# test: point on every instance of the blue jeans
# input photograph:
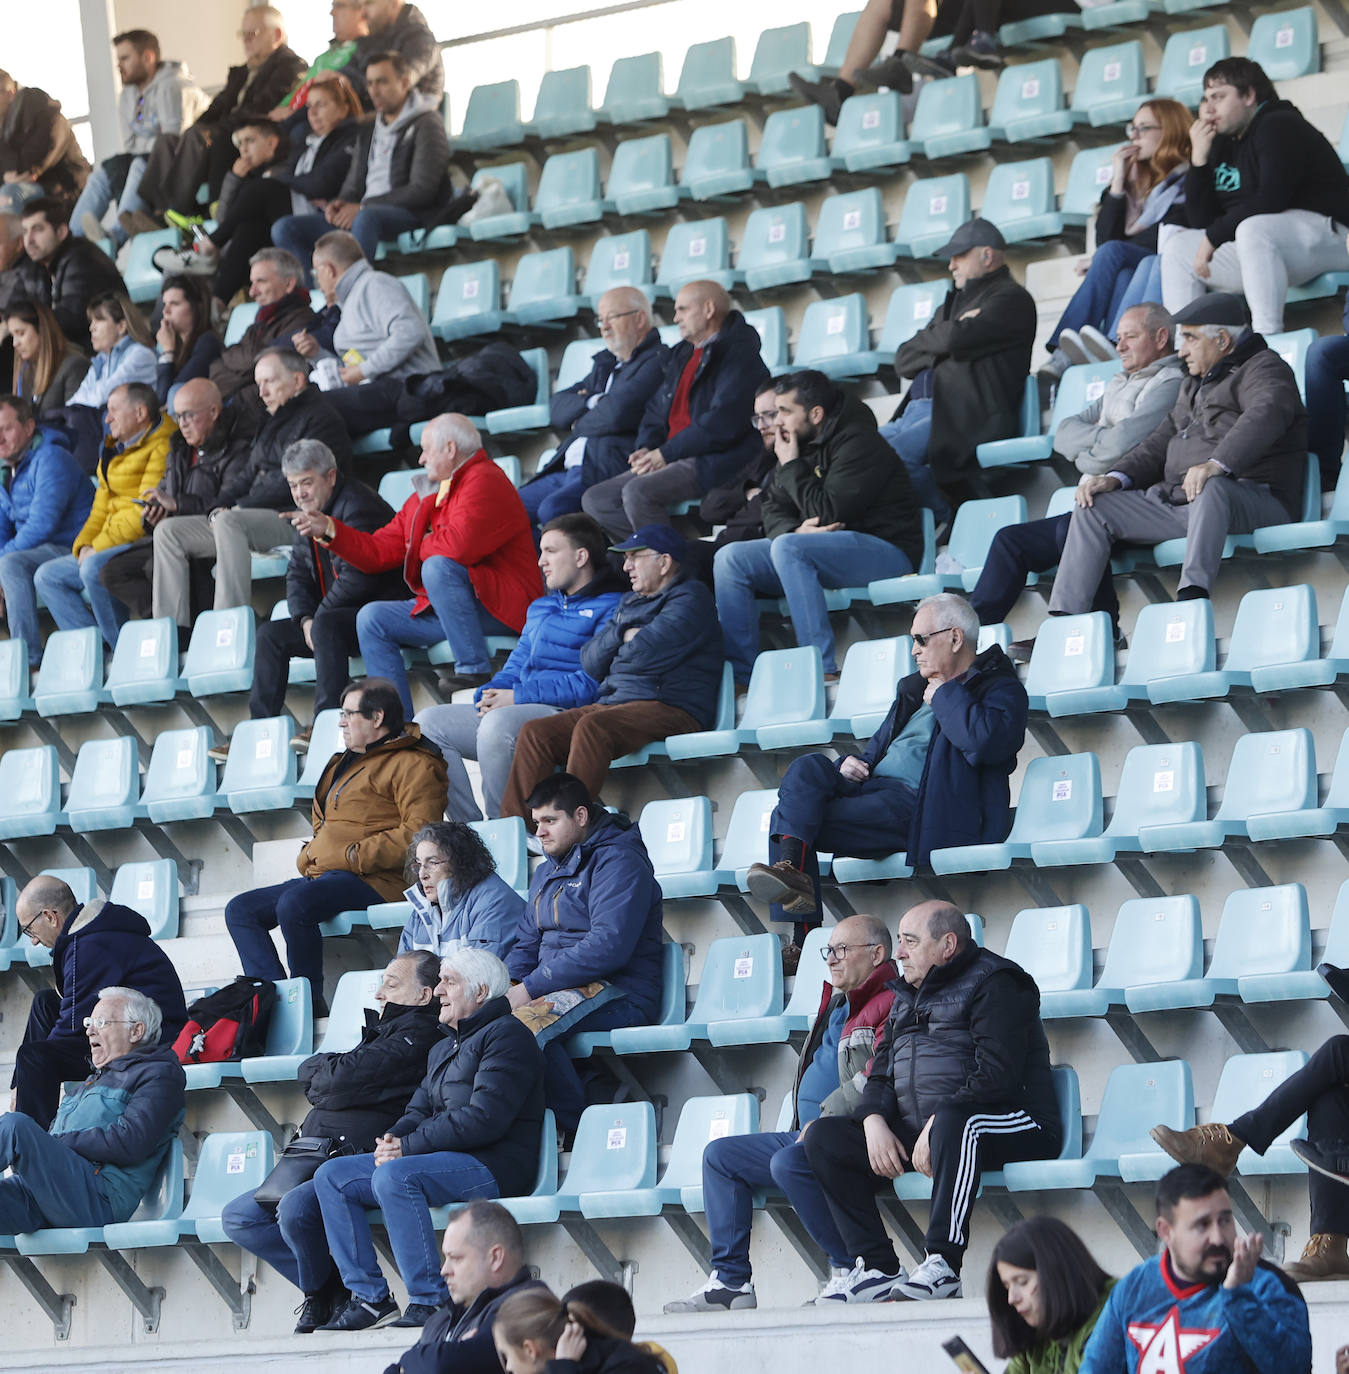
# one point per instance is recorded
(384, 628)
(558, 493)
(799, 567)
(1144, 285)
(292, 1242)
(17, 571)
(51, 1185)
(908, 437)
(1097, 300)
(405, 1190)
(1327, 371)
(373, 225)
(733, 1168)
(97, 196)
(61, 580)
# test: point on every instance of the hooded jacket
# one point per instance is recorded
(76, 273)
(595, 913)
(114, 517)
(167, 104)
(44, 498)
(260, 483)
(487, 916)
(367, 807)
(382, 323)
(1132, 405)
(239, 98)
(196, 485)
(37, 138)
(411, 37)
(232, 371)
(419, 170)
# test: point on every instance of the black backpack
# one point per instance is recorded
(228, 1024)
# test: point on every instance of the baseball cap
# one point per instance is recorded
(657, 538)
(974, 233)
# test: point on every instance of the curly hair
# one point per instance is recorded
(470, 859)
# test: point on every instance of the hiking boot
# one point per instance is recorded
(299, 741)
(936, 68)
(1323, 1258)
(219, 752)
(835, 1288)
(980, 50)
(359, 1315)
(782, 883)
(1212, 1144)
(829, 94)
(791, 959)
(715, 1296)
(934, 1278)
(415, 1314)
(1325, 1162)
(456, 682)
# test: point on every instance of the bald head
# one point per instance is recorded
(196, 406)
(42, 909)
(857, 946)
(700, 309)
(930, 934)
(625, 320)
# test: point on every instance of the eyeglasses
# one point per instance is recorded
(246, 34)
(634, 554)
(921, 640)
(99, 1023)
(833, 954)
(181, 415)
(763, 419)
(344, 714)
(603, 320)
(1133, 130)
(432, 863)
(28, 925)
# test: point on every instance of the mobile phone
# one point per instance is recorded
(963, 1357)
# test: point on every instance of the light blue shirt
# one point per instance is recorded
(907, 754)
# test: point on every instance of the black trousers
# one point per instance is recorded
(334, 635)
(42, 1065)
(1321, 1090)
(964, 1142)
(255, 206)
(371, 405)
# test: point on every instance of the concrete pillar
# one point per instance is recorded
(97, 26)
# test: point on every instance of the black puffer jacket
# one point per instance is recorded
(458, 1340)
(239, 97)
(77, 272)
(604, 1355)
(196, 486)
(260, 483)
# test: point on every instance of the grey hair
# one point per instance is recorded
(138, 1007)
(479, 968)
(307, 455)
(459, 429)
(1155, 318)
(1211, 331)
(340, 248)
(270, 14)
(287, 264)
(630, 298)
(954, 611)
(288, 358)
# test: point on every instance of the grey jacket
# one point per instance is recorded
(1131, 407)
(170, 103)
(383, 324)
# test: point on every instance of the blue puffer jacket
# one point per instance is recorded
(123, 1117)
(676, 659)
(595, 913)
(45, 500)
(487, 916)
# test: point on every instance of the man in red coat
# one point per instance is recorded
(462, 540)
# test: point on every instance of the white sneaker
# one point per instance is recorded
(835, 1288)
(186, 260)
(1077, 353)
(934, 1278)
(868, 1285)
(715, 1296)
(1096, 342)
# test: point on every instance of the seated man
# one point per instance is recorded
(462, 541)
(396, 26)
(960, 1083)
(472, 1130)
(840, 511)
(597, 418)
(1327, 371)
(369, 802)
(695, 433)
(110, 1135)
(966, 368)
(592, 934)
(542, 676)
(1230, 457)
(1266, 194)
(1135, 401)
(658, 661)
(92, 945)
(1208, 1303)
(276, 285)
(830, 1076)
(44, 502)
(39, 154)
(61, 272)
(354, 1097)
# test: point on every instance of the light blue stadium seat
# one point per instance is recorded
(569, 190)
(492, 117)
(775, 250)
(934, 209)
(84, 887)
(180, 781)
(289, 1032)
(260, 772)
(521, 419)
(641, 179)
(11, 942)
(15, 697)
(777, 53)
(143, 279)
(1019, 199)
(618, 260)
(355, 992)
(802, 1006)
(325, 741)
(1286, 44)
(1053, 945)
(708, 76)
(301, 670)
(1111, 84)
(1172, 644)
(700, 251)
(697, 743)
(716, 163)
(866, 686)
(870, 133)
(105, 786)
(544, 288)
(1078, 388)
(850, 233)
(1245, 1082)
(678, 838)
(563, 104)
(949, 119)
(1185, 59)
(793, 149)
(468, 302)
(1073, 658)
(1292, 347)
(837, 51)
(672, 1004)
(514, 177)
(911, 308)
(1060, 799)
(1029, 103)
(418, 286)
(70, 677)
(1313, 532)
(636, 90)
(835, 338)
(1315, 820)
(220, 654)
(540, 1203)
(972, 531)
(30, 792)
(150, 887)
(746, 839)
(1039, 29)
(505, 837)
(241, 317)
(576, 362)
(1088, 177)
(771, 325)
(614, 1151)
(396, 487)
(784, 707)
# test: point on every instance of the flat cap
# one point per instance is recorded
(1215, 307)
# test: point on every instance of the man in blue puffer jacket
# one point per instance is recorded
(111, 1134)
(44, 502)
(543, 674)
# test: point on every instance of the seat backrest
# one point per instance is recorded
(747, 831)
(576, 360)
(230, 1163)
(832, 328)
(1263, 930)
(1072, 652)
(1018, 191)
(1185, 59)
(325, 741)
(241, 317)
(492, 109)
(641, 164)
(180, 766)
(568, 179)
(977, 522)
(1155, 940)
(505, 838)
(221, 640)
(771, 325)
(395, 487)
(542, 277)
(291, 1029)
(910, 309)
(1030, 88)
(869, 121)
(164, 1197)
(150, 887)
(562, 96)
(947, 107)
(1275, 625)
(786, 686)
(871, 670)
(72, 661)
(346, 1012)
(854, 220)
(1137, 1097)
(1248, 1079)
(514, 178)
(1068, 1096)
(791, 136)
(678, 834)
(418, 286)
(106, 774)
(1271, 770)
(1292, 346)
(147, 651)
(537, 358)
(1171, 640)
(614, 1149)
(1107, 74)
(673, 985)
(811, 976)
(1053, 945)
(619, 260)
(1337, 936)
(1060, 799)
(936, 205)
(260, 755)
(1078, 388)
(706, 65)
(701, 1121)
(81, 881)
(30, 782)
(693, 250)
(632, 79)
(1061, 502)
(716, 148)
(742, 976)
(774, 234)
(1286, 44)
(1088, 176)
(779, 51)
(1160, 784)
(472, 288)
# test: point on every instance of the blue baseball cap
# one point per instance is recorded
(657, 538)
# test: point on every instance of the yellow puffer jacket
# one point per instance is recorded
(114, 518)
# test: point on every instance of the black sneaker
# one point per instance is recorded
(1323, 1161)
(359, 1315)
(829, 94)
(316, 1309)
(415, 1314)
(456, 682)
(1337, 979)
(893, 72)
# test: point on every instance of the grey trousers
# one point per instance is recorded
(627, 502)
(460, 733)
(1224, 507)
(230, 540)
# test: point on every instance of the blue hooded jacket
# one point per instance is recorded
(46, 499)
(487, 916)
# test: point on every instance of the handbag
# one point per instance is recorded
(299, 1163)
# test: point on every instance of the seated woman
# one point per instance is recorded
(535, 1331)
(1045, 1294)
(458, 897)
(1147, 190)
(48, 368)
(122, 353)
(186, 344)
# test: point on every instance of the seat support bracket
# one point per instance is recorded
(146, 1301)
(238, 1297)
(56, 1305)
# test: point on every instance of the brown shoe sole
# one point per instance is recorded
(768, 887)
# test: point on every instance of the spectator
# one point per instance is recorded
(458, 897)
(966, 368)
(44, 503)
(695, 433)
(110, 1135)
(354, 1097)
(960, 1083)
(599, 415)
(593, 933)
(185, 345)
(738, 505)
(1266, 196)
(830, 1075)
(1230, 457)
(13, 288)
(399, 175)
(277, 285)
(462, 541)
(658, 662)
(1135, 401)
(133, 459)
(1146, 190)
(323, 593)
(1327, 370)
(484, 1263)
(91, 945)
(1320, 1089)
(1208, 1293)
(337, 59)
(534, 1331)
(839, 512)
(542, 676)
(122, 354)
(471, 1131)
(368, 803)
(397, 27)
(63, 273)
(48, 369)
(157, 97)
(934, 775)
(39, 155)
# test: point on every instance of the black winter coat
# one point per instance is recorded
(331, 163)
(606, 1356)
(260, 484)
(78, 271)
(411, 37)
(458, 1340)
(196, 486)
(36, 136)
(493, 377)
(273, 81)
(420, 174)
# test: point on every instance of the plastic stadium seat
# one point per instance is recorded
(260, 771)
(708, 76)
(1172, 645)
(910, 310)
(324, 742)
(934, 209)
(700, 251)
(30, 792)
(150, 887)
(143, 279)
(468, 301)
(220, 654)
(850, 233)
(636, 90)
(576, 362)
(802, 1006)
(105, 786)
(641, 179)
(84, 887)
(870, 133)
(1053, 945)
(771, 325)
(716, 163)
(834, 337)
(1311, 533)
(1078, 388)
(569, 190)
(866, 686)
(1060, 799)
(396, 487)
(1019, 199)
(505, 837)
(145, 662)
(1029, 103)
(1088, 176)
(793, 148)
(1111, 84)
(355, 992)
(775, 250)
(784, 707)
(492, 117)
(241, 317)
(1292, 347)
(1185, 59)
(678, 837)
(672, 1000)
(1313, 820)
(1245, 1082)
(1073, 659)
(520, 419)
(746, 839)
(180, 781)
(71, 675)
(514, 178)
(1285, 44)
(614, 1152)
(1038, 29)
(417, 285)
(15, 697)
(544, 288)
(972, 531)
(563, 104)
(777, 53)
(949, 118)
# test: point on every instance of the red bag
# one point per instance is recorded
(230, 1023)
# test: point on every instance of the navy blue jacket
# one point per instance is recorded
(963, 797)
(720, 435)
(45, 499)
(676, 659)
(594, 913)
(458, 1340)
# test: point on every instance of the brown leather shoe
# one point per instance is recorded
(219, 752)
(1212, 1144)
(782, 883)
(299, 741)
(791, 959)
(1324, 1258)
